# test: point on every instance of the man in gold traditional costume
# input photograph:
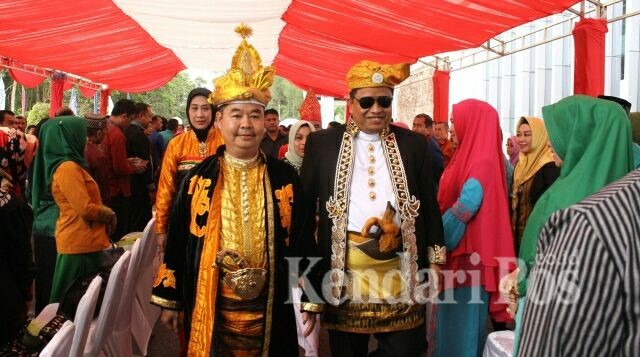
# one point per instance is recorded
(230, 230)
(379, 224)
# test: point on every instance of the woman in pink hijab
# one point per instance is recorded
(477, 230)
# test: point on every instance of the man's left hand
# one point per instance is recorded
(309, 319)
(437, 285)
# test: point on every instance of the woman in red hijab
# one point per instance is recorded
(473, 202)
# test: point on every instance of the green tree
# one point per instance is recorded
(285, 98)
(39, 93)
(338, 114)
(38, 112)
(168, 100)
(85, 105)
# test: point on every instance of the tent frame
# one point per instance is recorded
(495, 48)
(7, 62)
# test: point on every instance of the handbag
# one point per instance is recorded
(111, 255)
(71, 297)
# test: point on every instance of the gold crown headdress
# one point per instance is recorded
(247, 80)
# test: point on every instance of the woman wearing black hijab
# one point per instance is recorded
(183, 152)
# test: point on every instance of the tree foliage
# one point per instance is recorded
(286, 98)
(169, 100)
(38, 112)
(338, 114)
(85, 105)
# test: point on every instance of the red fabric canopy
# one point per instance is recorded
(57, 89)
(87, 92)
(25, 78)
(90, 38)
(323, 38)
(104, 100)
(589, 42)
(440, 96)
(96, 40)
(322, 61)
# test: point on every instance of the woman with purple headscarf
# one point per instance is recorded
(513, 151)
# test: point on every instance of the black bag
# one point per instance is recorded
(74, 292)
(110, 256)
(71, 297)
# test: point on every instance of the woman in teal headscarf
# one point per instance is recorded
(81, 225)
(592, 139)
(635, 137)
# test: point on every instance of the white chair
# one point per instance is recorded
(103, 326)
(44, 317)
(120, 343)
(84, 316)
(145, 314)
(499, 344)
(60, 344)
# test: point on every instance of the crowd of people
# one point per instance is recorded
(268, 234)
(72, 186)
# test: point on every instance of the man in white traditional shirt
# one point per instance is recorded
(379, 222)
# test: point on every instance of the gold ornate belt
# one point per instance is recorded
(246, 282)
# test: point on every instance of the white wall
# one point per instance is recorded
(522, 83)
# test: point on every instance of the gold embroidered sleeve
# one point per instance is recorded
(166, 185)
(165, 303)
(165, 276)
(437, 254)
(311, 307)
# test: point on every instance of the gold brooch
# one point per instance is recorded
(377, 78)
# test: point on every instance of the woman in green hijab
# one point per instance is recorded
(635, 137)
(81, 226)
(592, 139)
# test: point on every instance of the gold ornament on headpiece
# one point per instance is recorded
(247, 80)
(368, 74)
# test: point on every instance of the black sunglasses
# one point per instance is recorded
(367, 102)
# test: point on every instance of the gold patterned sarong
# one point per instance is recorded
(375, 293)
(240, 324)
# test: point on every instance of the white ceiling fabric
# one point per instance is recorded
(200, 32)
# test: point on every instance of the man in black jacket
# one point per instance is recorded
(235, 216)
(142, 186)
(379, 224)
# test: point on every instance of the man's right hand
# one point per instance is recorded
(137, 164)
(161, 240)
(508, 287)
(141, 167)
(170, 319)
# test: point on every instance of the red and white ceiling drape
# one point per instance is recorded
(139, 45)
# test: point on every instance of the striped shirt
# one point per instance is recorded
(584, 293)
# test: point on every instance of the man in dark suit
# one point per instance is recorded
(142, 186)
(423, 124)
(379, 224)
